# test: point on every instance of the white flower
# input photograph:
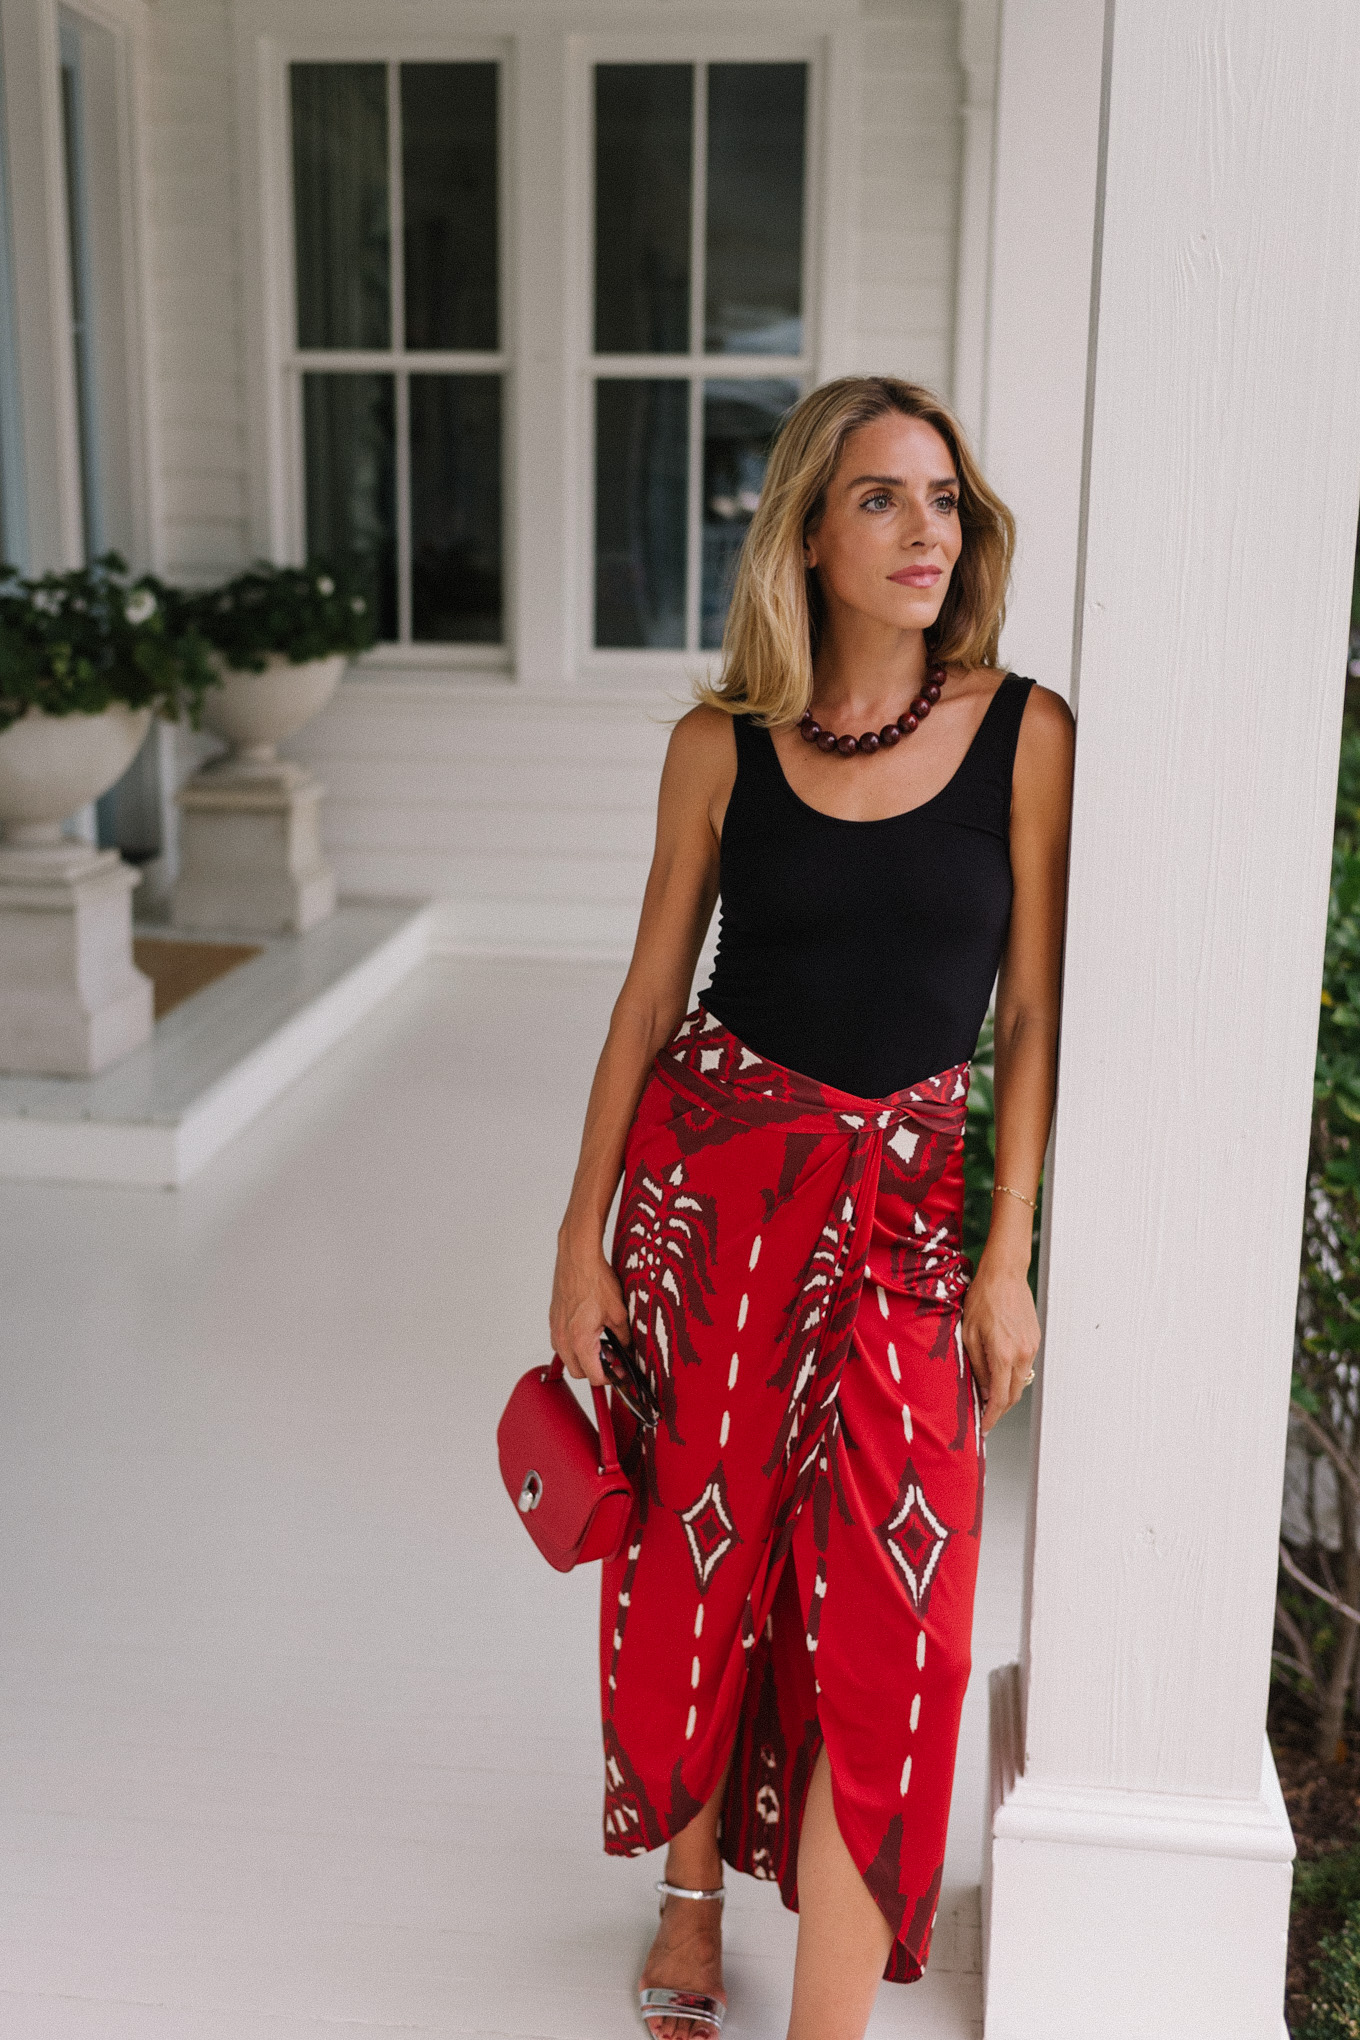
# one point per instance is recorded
(358, 604)
(139, 606)
(325, 585)
(47, 600)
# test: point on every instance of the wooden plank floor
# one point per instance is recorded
(297, 1734)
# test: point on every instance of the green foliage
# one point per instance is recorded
(979, 1154)
(1327, 1358)
(1334, 1998)
(1331, 1881)
(71, 644)
(301, 612)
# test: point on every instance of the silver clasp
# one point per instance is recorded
(531, 1494)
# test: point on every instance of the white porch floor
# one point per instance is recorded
(298, 1733)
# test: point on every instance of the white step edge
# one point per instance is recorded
(164, 1156)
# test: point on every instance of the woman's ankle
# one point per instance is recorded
(694, 1868)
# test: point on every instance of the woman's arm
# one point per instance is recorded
(676, 909)
(1000, 1324)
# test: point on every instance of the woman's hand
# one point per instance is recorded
(585, 1297)
(1000, 1334)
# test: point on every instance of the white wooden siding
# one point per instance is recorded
(195, 260)
(910, 154)
(532, 814)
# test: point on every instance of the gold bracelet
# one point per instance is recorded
(1000, 1189)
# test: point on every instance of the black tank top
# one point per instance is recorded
(864, 953)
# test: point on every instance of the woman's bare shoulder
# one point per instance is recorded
(1047, 723)
(702, 745)
(1044, 752)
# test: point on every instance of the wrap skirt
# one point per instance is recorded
(800, 1565)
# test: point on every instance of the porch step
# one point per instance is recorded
(216, 1061)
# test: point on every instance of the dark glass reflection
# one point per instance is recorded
(340, 210)
(641, 464)
(740, 420)
(449, 178)
(456, 509)
(351, 498)
(644, 115)
(757, 115)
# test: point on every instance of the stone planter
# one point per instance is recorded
(71, 999)
(250, 834)
(256, 712)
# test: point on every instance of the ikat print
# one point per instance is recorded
(801, 1562)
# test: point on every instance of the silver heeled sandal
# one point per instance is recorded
(683, 2004)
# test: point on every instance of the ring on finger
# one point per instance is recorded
(1026, 1380)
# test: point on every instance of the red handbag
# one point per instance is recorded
(563, 1476)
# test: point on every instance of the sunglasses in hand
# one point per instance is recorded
(628, 1381)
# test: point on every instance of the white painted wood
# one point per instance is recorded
(42, 286)
(910, 147)
(1043, 224)
(297, 1732)
(539, 530)
(834, 173)
(529, 812)
(1082, 1883)
(1214, 627)
(113, 65)
(215, 1063)
(979, 28)
(195, 210)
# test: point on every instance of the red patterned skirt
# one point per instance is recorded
(801, 1565)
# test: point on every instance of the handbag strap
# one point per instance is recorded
(609, 1456)
(609, 1453)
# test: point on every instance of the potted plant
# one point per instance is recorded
(278, 639)
(251, 857)
(86, 659)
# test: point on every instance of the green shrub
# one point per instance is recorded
(1334, 2001)
(979, 1155)
(1331, 1881)
(1317, 1653)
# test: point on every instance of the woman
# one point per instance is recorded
(785, 1635)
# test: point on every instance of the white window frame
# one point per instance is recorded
(287, 362)
(610, 666)
(546, 53)
(40, 274)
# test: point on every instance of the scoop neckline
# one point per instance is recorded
(903, 814)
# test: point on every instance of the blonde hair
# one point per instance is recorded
(775, 612)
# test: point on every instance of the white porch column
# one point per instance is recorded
(1033, 419)
(1139, 1853)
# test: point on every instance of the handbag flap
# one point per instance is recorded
(550, 1460)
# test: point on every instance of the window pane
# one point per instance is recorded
(340, 212)
(641, 460)
(754, 275)
(644, 115)
(740, 420)
(456, 508)
(448, 152)
(351, 503)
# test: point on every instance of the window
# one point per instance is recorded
(700, 340)
(399, 359)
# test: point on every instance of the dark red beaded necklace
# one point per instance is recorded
(891, 733)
